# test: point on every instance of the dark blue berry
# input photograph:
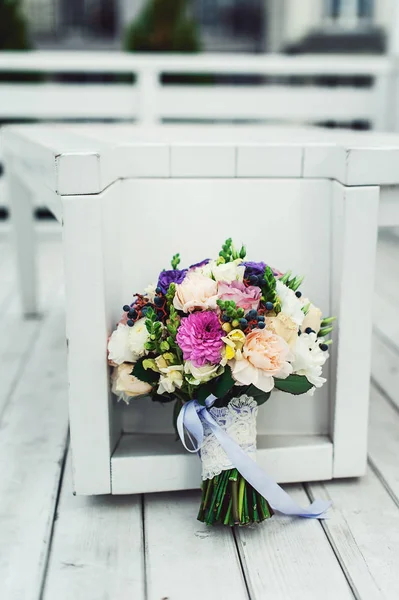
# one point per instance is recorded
(269, 305)
(252, 314)
(298, 294)
(226, 318)
(132, 314)
(158, 290)
(261, 317)
(262, 282)
(160, 314)
(130, 323)
(261, 325)
(126, 308)
(309, 330)
(253, 279)
(244, 323)
(144, 311)
(158, 301)
(323, 347)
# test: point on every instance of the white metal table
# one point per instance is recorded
(128, 197)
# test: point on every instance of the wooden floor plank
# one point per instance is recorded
(185, 559)
(364, 531)
(33, 428)
(384, 441)
(291, 558)
(385, 368)
(97, 548)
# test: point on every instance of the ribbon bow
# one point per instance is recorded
(191, 420)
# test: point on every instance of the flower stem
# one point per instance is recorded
(241, 491)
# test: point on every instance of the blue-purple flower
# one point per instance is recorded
(171, 276)
(254, 268)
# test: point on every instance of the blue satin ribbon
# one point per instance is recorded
(191, 421)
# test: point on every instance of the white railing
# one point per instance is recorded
(267, 88)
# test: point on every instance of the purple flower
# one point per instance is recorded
(254, 268)
(168, 277)
(200, 264)
(200, 338)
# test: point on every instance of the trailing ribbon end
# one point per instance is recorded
(191, 420)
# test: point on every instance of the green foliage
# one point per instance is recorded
(175, 261)
(223, 384)
(146, 375)
(269, 289)
(162, 26)
(13, 29)
(258, 395)
(229, 253)
(154, 328)
(294, 384)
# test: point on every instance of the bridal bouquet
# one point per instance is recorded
(216, 339)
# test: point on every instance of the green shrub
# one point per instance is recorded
(162, 26)
(13, 30)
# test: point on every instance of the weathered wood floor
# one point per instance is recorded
(55, 546)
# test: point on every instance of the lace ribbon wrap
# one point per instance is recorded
(238, 420)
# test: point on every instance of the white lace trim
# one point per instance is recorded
(238, 419)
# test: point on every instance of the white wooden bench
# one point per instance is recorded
(128, 197)
(273, 88)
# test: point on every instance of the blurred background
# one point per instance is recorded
(288, 26)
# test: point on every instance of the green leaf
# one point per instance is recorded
(203, 392)
(294, 384)
(163, 398)
(176, 410)
(149, 376)
(223, 384)
(258, 395)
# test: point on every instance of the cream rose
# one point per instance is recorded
(283, 326)
(228, 272)
(138, 336)
(197, 375)
(196, 291)
(312, 319)
(264, 356)
(118, 346)
(126, 385)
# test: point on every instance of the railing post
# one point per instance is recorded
(148, 96)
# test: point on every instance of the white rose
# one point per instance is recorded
(309, 359)
(171, 378)
(197, 375)
(125, 385)
(228, 272)
(291, 306)
(118, 346)
(138, 336)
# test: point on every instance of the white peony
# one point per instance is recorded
(138, 336)
(313, 317)
(228, 272)
(291, 306)
(150, 292)
(118, 346)
(309, 359)
(197, 375)
(171, 378)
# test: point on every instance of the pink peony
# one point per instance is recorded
(244, 297)
(200, 338)
(196, 292)
(264, 356)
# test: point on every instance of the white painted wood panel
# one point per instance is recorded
(290, 558)
(153, 463)
(97, 548)
(185, 558)
(385, 368)
(354, 235)
(363, 529)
